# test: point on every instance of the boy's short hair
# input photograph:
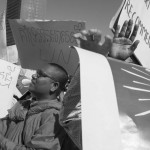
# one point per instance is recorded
(63, 75)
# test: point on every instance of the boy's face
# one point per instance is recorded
(43, 81)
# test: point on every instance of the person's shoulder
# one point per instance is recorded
(49, 115)
(18, 111)
(49, 112)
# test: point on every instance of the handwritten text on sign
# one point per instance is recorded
(6, 76)
(140, 13)
(42, 42)
(8, 79)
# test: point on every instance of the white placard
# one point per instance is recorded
(139, 11)
(8, 79)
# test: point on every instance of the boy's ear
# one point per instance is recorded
(55, 86)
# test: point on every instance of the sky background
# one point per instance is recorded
(96, 13)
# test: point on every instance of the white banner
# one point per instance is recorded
(100, 117)
(114, 93)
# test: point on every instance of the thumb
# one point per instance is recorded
(134, 45)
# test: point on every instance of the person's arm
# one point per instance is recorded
(91, 40)
(49, 135)
(14, 111)
(121, 47)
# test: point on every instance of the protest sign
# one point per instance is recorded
(100, 118)
(113, 90)
(8, 79)
(12, 54)
(132, 85)
(40, 42)
(114, 20)
(139, 11)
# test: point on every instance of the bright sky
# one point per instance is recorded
(97, 13)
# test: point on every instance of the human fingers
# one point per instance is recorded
(123, 29)
(134, 45)
(86, 35)
(107, 43)
(79, 36)
(80, 39)
(117, 31)
(129, 28)
(134, 33)
(96, 35)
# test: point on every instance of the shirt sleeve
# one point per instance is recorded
(49, 135)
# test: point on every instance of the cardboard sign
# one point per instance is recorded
(139, 11)
(8, 79)
(41, 42)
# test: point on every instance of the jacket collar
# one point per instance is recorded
(20, 109)
(40, 106)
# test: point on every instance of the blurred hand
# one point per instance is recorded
(123, 45)
(91, 40)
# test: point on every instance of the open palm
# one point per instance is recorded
(123, 45)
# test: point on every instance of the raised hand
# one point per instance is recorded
(123, 45)
(91, 40)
